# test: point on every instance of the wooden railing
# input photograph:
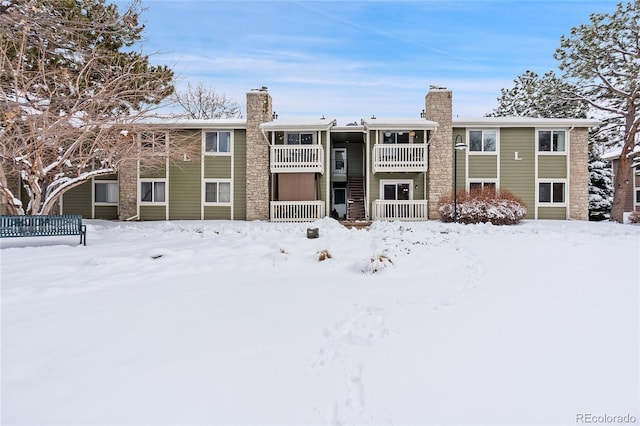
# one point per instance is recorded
(296, 211)
(400, 158)
(410, 210)
(297, 159)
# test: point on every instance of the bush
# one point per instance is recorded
(482, 206)
(634, 217)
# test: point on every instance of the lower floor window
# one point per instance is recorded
(637, 196)
(481, 185)
(152, 191)
(551, 192)
(106, 192)
(217, 192)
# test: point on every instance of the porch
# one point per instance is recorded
(296, 211)
(297, 159)
(409, 210)
(400, 158)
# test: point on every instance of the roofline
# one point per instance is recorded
(284, 126)
(524, 122)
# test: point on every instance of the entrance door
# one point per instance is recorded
(339, 161)
(340, 202)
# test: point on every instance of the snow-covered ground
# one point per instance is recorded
(189, 323)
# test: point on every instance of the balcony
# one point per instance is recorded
(296, 211)
(297, 159)
(400, 158)
(409, 210)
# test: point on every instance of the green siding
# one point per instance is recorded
(78, 200)
(217, 213)
(518, 176)
(158, 171)
(152, 213)
(559, 213)
(217, 166)
(106, 212)
(185, 191)
(483, 166)
(240, 175)
(323, 187)
(552, 166)
(107, 177)
(461, 159)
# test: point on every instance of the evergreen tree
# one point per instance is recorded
(600, 185)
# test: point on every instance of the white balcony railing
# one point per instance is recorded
(296, 211)
(297, 159)
(400, 158)
(411, 210)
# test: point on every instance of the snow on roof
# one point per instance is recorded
(524, 122)
(190, 123)
(615, 153)
(399, 124)
(322, 123)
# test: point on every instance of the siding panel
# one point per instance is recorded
(106, 212)
(557, 213)
(240, 175)
(552, 166)
(217, 212)
(483, 166)
(185, 191)
(78, 200)
(152, 213)
(518, 176)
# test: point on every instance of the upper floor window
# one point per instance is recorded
(552, 141)
(395, 137)
(154, 141)
(217, 142)
(300, 138)
(483, 140)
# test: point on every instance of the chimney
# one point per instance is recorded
(259, 110)
(438, 108)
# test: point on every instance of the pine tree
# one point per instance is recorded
(600, 185)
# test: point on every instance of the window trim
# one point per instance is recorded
(566, 141)
(108, 182)
(552, 203)
(384, 182)
(395, 139)
(153, 180)
(217, 203)
(314, 139)
(217, 153)
(483, 152)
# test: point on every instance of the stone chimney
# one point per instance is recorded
(438, 108)
(259, 110)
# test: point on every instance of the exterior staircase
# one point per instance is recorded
(355, 198)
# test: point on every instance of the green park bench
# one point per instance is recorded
(43, 226)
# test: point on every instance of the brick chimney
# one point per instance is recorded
(438, 108)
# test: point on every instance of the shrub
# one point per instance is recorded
(377, 263)
(324, 255)
(634, 217)
(482, 206)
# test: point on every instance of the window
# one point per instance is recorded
(483, 140)
(551, 141)
(154, 141)
(217, 142)
(551, 192)
(152, 191)
(482, 185)
(637, 196)
(217, 192)
(395, 137)
(396, 190)
(105, 192)
(300, 138)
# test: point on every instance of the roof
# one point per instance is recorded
(399, 124)
(190, 123)
(299, 124)
(524, 122)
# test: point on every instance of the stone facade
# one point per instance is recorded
(438, 108)
(128, 178)
(579, 174)
(259, 110)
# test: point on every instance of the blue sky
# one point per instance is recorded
(349, 59)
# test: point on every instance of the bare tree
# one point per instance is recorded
(74, 96)
(202, 102)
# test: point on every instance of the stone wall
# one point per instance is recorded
(579, 174)
(128, 196)
(259, 110)
(438, 108)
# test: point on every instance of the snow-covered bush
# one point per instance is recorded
(481, 206)
(634, 216)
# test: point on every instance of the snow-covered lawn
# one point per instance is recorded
(187, 323)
